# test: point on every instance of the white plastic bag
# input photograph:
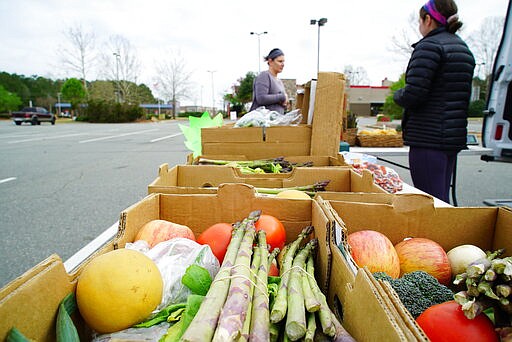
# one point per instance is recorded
(262, 117)
(172, 258)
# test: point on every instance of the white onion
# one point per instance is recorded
(461, 256)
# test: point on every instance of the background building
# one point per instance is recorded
(368, 100)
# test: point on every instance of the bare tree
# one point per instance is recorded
(484, 43)
(173, 79)
(78, 55)
(121, 65)
(356, 75)
(401, 43)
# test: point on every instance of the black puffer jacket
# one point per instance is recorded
(437, 92)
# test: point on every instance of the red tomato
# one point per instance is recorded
(446, 322)
(217, 237)
(273, 271)
(276, 235)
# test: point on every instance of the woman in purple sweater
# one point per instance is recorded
(268, 91)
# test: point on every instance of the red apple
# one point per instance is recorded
(374, 250)
(156, 231)
(421, 254)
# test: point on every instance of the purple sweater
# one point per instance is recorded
(269, 92)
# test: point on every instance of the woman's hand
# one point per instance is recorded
(285, 102)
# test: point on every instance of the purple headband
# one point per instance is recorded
(431, 9)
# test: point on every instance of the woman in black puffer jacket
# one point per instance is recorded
(436, 98)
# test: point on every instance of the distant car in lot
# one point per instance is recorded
(33, 115)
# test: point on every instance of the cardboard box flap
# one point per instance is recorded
(414, 203)
(328, 113)
(389, 296)
(503, 231)
(22, 296)
(364, 313)
(230, 134)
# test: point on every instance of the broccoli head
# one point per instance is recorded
(417, 290)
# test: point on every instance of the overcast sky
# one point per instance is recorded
(215, 35)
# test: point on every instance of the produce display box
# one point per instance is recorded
(256, 142)
(31, 302)
(408, 215)
(322, 137)
(316, 160)
(204, 179)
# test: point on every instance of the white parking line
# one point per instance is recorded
(45, 138)
(117, 136)
(5, 180)
(166, 137)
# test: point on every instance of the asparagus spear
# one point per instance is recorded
(260, 323)
(255, 265)
(205, 321)
(234, 311)
(310, 189)
(324, 314)
(480, 266)
(296, 317)
(311, 303)
(310, 332)
(280, 306)
(271, 256)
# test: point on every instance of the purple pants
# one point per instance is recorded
(431, 171)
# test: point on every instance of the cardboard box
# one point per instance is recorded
(408, 215)
(204, 178)
(31, 302)
(257, 142)
(320, 138)
(337, 160)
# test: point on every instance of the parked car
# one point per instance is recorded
(34, 115)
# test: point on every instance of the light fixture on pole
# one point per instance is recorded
(320, 22)
(118, 56)
(213, 92)
(259, 52)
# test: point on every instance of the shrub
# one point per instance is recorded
(187, 114)
(101, 111)
(476, 109)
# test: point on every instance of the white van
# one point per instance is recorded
(497, 124)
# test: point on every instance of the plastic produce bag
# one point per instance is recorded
(262, 117)
(172, 258)
(152, 334)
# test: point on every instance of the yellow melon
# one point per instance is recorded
(294, 194)
(118, 289)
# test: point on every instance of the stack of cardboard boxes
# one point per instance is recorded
(199, 196)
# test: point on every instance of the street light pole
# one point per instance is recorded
(259, 52)
(320, 22)
(59, 109)
(213, 92)
(118, 56)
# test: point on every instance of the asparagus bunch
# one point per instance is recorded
(274, 165)
(310, 189)
(488, 283)
(204, 324)
(300, 302)
(238, 306)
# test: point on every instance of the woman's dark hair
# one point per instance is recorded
(447, 8)
(273, 54)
